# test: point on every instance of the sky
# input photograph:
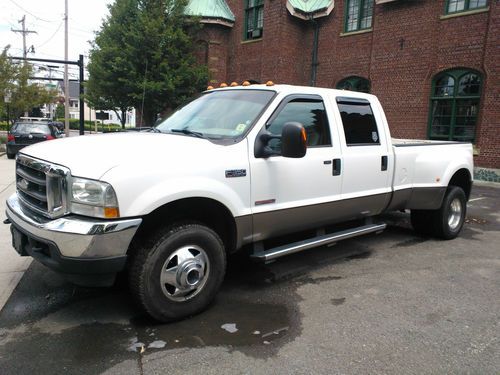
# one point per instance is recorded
(46, 17)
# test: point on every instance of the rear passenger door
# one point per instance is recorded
(366, 178)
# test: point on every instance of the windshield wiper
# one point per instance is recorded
(188, 132)
(154, 130)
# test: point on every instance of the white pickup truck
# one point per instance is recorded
(237, 168)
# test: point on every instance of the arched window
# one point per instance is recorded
(455, 105)
(354, 83)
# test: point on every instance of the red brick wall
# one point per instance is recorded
(408, 46)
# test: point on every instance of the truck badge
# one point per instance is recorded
(230, 173)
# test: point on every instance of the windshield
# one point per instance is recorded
(218, 114)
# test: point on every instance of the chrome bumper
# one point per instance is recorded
(75, 236)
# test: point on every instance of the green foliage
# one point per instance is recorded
(25, 95)
(60, 111)
(143, 57)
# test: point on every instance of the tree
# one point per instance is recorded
(143, 58)
(59, 111)
(25, 95)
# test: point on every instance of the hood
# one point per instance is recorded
(91, 156)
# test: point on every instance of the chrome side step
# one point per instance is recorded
(270, 254)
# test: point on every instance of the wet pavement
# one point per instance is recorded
(391, 303)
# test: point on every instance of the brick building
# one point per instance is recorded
(434, 64)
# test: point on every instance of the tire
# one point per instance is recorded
(10, 156)
(445, 222)
(179, 272)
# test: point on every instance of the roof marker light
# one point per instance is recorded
(269, 83)
(234, 84)
(223, 84)
(210, 88)
(246, 83)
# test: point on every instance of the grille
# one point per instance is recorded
(42, 186)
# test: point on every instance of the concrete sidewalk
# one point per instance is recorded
(12, 266)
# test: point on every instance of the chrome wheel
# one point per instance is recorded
(455, 214)
(184, 273)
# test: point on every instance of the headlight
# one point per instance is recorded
(93, 198)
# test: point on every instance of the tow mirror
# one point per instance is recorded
(293, 140)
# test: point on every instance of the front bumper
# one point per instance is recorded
(88, 251)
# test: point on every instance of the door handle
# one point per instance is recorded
(384, 163)
(337, 167)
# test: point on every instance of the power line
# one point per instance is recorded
(31, 14)
(52, 36)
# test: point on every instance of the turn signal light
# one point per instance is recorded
(304, 135)
(111, 212)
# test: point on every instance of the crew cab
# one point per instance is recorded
(271, 169)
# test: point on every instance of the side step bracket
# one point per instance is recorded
(295, 247)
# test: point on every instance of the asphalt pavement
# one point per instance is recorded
(394, 303)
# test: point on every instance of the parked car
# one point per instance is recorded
(23, 134)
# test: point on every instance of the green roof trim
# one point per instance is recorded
(210, 11)
(306, 9)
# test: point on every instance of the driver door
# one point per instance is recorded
(295, 194)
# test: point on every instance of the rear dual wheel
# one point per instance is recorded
(179, 272)
(447, 221)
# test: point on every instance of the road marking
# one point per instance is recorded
(476, 199)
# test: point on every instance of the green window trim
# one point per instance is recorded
(361, 13)
(354, 83)
(460, 6)
(254, 19)
(454, 105)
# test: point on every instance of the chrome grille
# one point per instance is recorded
(42, 186)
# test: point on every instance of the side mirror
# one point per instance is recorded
(293, 140)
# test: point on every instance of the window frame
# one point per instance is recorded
(357, 101)
(247, 10)
(355, 79)
(289, 98)
(360, 16)
(466, 7)
(457, 74)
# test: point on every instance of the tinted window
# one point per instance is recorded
(359, 123)
(33, 128)
(310, 113)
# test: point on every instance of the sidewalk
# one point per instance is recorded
(12, 266)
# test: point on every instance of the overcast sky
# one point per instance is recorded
(46, 18)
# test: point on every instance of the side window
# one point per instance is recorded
(359, 123)
(309, 112)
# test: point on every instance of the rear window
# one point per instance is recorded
(360, 127)
(31, 128)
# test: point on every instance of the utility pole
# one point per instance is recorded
(24, 32)
(66, 82)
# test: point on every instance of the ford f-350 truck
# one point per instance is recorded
(269, 168)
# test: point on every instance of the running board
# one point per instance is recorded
(295, 247)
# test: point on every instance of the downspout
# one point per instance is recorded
(314, 60)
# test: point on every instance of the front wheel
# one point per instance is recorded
(180, 273)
